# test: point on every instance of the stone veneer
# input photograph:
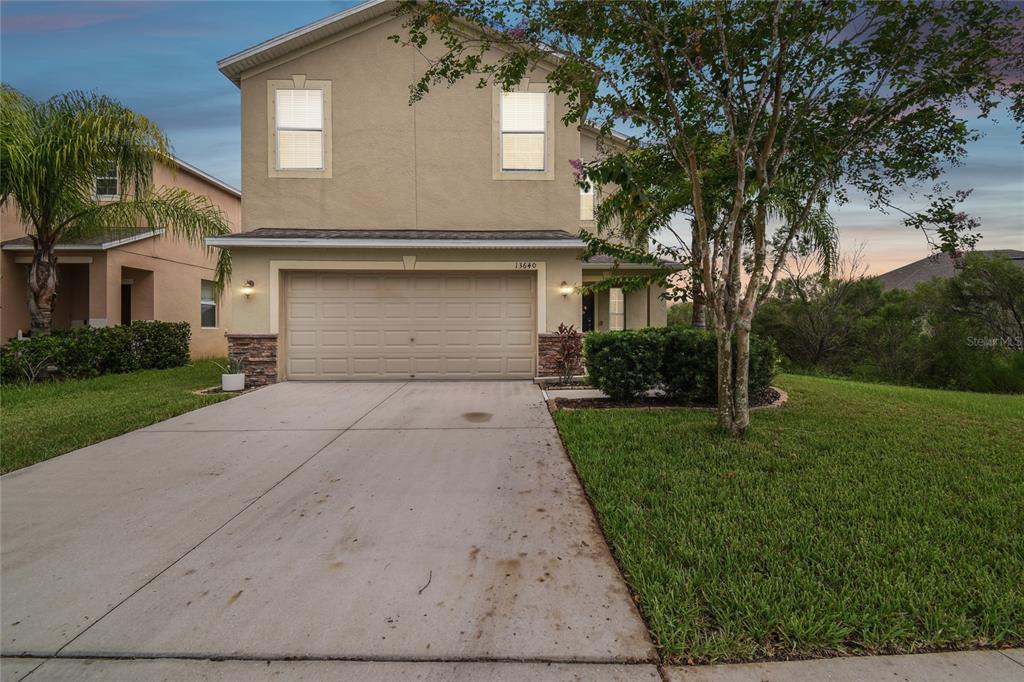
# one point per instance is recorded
(258, 353)
(547, 355)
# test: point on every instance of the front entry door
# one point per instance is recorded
(588, 311)
(126, 304)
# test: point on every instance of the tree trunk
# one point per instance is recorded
(698, 317)
(741, 372)
(42, 288)
(725, 401)
(734, 379)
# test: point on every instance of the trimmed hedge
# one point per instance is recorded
(681, 361)
(90, 351)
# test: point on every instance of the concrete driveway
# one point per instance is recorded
(418, 524)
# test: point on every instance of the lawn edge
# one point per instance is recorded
(660, 661)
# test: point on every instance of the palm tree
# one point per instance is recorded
(50, 156)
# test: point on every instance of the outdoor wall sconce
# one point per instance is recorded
(565, 289)
(248, 287)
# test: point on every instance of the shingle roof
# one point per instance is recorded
(99, 242)
(940, 265)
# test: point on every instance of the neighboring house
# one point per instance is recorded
(132, 274)
(382, 240)
(937, 266)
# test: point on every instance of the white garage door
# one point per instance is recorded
(355, 325)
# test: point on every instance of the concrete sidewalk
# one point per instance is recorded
(966, 666)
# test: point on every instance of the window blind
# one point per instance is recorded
(523, 129)
(300, 121)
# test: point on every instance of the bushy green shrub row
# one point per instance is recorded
(681, 361)
(91, 351)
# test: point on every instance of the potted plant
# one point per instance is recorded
(232, 377)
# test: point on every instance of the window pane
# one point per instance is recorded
(587, 203)
(300, 149)
(106, 187)
(616, 309)
(207, 291)
(300, 109)
(522, 151)
(208, 315)
(523, 111)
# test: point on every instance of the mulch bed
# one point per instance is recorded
(769, 397)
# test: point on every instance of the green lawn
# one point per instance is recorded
(860, 518)
(43, 420)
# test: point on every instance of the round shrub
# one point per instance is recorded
(689, 365)
(623, 364)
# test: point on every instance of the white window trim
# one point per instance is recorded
(497, 173)
(207, 301)
(117, 181)
(298, 82)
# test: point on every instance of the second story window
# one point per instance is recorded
(106, 184)
(299, 116)
(587, 203)
(523, 131)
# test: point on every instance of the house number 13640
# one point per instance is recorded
(526, 265)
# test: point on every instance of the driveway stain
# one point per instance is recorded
(477, 417)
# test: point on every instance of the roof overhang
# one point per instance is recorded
(203, 175)
(19, 245)
(234, 66)
(314, 243)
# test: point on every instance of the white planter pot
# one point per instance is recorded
(232, 382)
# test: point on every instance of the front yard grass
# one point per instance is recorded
(861, 518)
(44, 420)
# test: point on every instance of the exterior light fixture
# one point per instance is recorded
(565, 289)
(248, 287)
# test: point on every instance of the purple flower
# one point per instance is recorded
(698, 62)
(577, 168)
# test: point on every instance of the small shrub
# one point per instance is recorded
(682, 361)
(568, 362)
(161, 344)
(764, 362)
(90, 351)
(28, 359)
(624, 364)
(689, 365)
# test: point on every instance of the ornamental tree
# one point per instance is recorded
(757, 113)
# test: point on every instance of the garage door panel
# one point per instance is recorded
(410, 325)
(520, 365)
(519, 339)
(334, 311)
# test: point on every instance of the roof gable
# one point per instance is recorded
(234, 66)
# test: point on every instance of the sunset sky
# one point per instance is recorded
(160, 59)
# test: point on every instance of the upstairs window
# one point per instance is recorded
(207, 304)
(299, 129)
(587, 203)
(106, 184)
(523, 131)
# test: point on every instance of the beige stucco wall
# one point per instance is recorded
(428, 166)
(170, 294)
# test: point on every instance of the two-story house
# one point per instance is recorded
(383, 240)
(130, 274)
